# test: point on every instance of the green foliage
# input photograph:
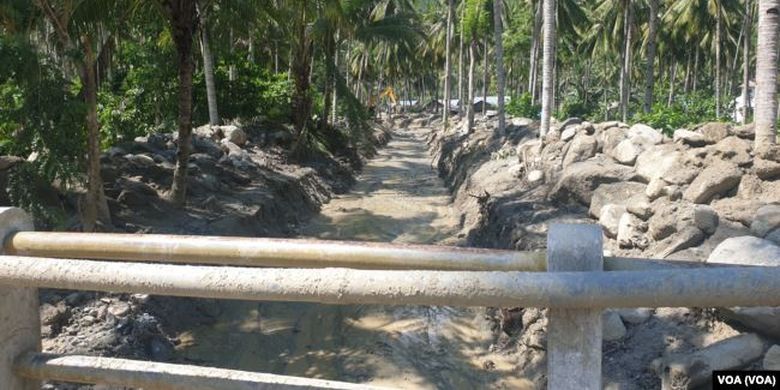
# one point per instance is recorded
(255, 92)
(574, 107)
(476, 17)
(41, 115)
(687, 110)
(523, 106)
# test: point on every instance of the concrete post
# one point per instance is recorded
(574, 335)
(20, 324)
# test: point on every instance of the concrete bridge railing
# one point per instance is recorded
(572, 279)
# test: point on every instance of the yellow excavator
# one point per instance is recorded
(387, 94)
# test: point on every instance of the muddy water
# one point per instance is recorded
(398, 198)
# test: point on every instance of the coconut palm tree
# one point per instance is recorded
(766, 73)
(448, 63)
(650, 59)
(548, 64)
(499, 49)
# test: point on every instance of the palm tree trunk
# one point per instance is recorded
(548, 60)
(447, 65)
(718, 38)
(766, 73)
(649, 70)
(625, 74)
(470, 102)
(672, 82)
(687, 82)
(460, 74)
(334, 103)
(96, 206)
(498, 30)
(746, 62)
(182, 18)
(696, 70)
(485, 78)
(534, 58)
(208, 73)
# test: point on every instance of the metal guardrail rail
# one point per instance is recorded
(575, 288)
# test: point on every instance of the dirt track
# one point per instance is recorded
(398, 198)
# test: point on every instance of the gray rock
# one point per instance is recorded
(535, 177)
(658, 161)
(705, 218)
(773, 236)
(581, 148)
(640, 206)
(610, 218)
(570, 122)
(746, 250)
(655, 189)
(635, 316)
(713, 132)
(688, 137)
(621, 193)
(766, 169)
(613, 327)
(664, 221)
(234, 134)
(691, 370)
(686, 237)
(772, 358)
(733, 149)
(631, 232)
(580, 179)
(644, 134)
(610, 139)
(767, 219)
(714, 181)
(745, 131)
(626, 152)
(568, 134)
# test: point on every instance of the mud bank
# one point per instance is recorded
(242, 182)
(508, 188)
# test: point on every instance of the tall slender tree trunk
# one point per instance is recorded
(696, 70)
(461, 106)
(649, 66)
(746, 61)
(625, 74)
(334, 103)
(718, 38)
(672, 82)
(470, 102)
(766, 73)
(301, 69)
(485, 78)
(182, 20)
(687, 83)
(96, 206)
(448, 65)
(548, 64)
(533, 68)
(499, 49)
(208, 72)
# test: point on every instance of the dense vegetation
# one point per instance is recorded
(79, 76)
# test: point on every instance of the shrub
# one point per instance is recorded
(523, 106)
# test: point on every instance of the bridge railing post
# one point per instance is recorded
(574, 339)
(20, 324)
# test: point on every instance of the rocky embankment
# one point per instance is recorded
(703, 195)
(242, 182)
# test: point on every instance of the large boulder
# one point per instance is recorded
(733, 149)
(713, 132)
(631, 232)
(687, 137)
(658, 161)
(748, 250)
(580, 179)
(611, 138)
(234, 134)
(644, 134)
(766, 169)
(610, 218)
(737, 209)
(627, 151)
(581, 148)
(745, 131)
(767, 219)
(716, 180)
(621, 193)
